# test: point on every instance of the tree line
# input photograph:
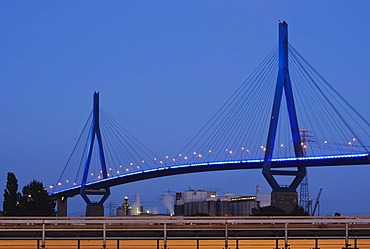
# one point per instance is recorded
(32, 201)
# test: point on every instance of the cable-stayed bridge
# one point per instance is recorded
(283, 118)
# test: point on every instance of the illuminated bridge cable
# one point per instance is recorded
(205, 129)
(332, 88)
(303, 108)
(327, 117)
(139, 145)
(82, 157)
(332, 106)
(128, 156)
(309, 96)
(122, 143)
(121, 152)
(221, 129)
(341, 101)
(318, 95)
(333, 123)
(248, 122)
(228, 126)
(240, 117)
(238, 129)
(320, 108)
(73, 150)
(111, 154)
(77, 164)
(239, 112)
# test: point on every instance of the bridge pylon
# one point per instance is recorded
(94, 208)
(284, 197)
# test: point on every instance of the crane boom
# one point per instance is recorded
(316, 202)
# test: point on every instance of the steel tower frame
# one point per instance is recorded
(95, 131)
(304, 196)
(283, 82)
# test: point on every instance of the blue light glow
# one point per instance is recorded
(288, 159)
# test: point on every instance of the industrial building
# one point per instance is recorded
(125, 209)
(207, 203)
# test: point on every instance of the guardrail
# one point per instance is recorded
(166, 228)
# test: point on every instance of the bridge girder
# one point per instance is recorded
(363, 159)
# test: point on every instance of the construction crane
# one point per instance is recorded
(317, 203)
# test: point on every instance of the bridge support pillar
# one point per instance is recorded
(94, 209)
(285, 198)
(62, 206)
(286, 201)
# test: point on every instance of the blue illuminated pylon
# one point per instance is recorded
(283, 82)
(95, 131)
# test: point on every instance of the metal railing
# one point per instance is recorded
(167, 228)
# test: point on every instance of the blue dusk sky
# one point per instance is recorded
(163, 68)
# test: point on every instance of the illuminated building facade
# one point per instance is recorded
(207, 203)
(125, 209)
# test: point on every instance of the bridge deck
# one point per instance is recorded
(336, 160)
